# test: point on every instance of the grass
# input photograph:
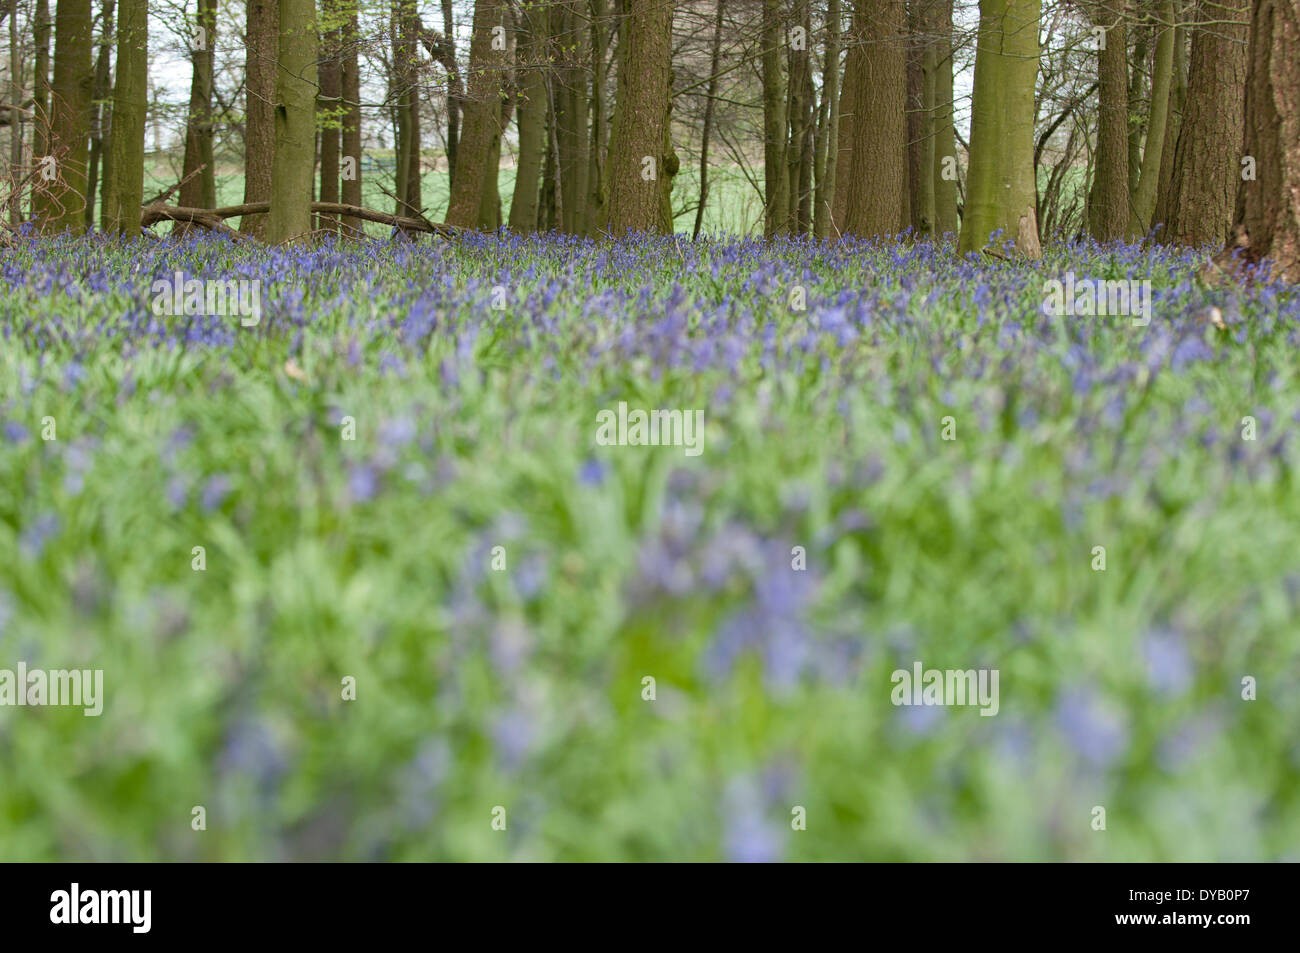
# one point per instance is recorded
(522, 687)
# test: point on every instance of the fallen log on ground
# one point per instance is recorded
(213, 219)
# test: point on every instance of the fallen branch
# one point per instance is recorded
(168, 193)
(213, 218)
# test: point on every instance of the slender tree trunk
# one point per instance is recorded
(1174, 123)
(41, 83)
(1108, 200)
(1268, 206)
(455, 92)
(925, 52)
(827, 146)
(799, 111)
(99, 112)
(775, 173)
(715, 59)
(62, 204)
(482, 113)
(295, 123)
(945, 139)
(1144, 201)
(124, 189)
(1138, 103)
(638, 160)
(201, 190)
(262, 47)
(917, 171)
(878, 171)
(350, 89)
(570, 91)
(16, 114)
(531, 113)
(597, 187)
(328, 110)
(407, 107)
(1207, 169)
(853, 67)
(1001, 195)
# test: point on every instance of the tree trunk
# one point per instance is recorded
(99, 118)
(124, 190)
(799, 149)
(1001, 194)
(776, 178)
(1174, 123)
(715, 59)
(1207, 170)
(262, 47)
(945, 139)
(328, 109)
(1135, 71)
(877, 186)
(41, 83)
(61, 206)
(350, 89)
(200, 191)
(597, 187)
(295, 124)
(570, 92)
(827, 145)
(16, 114)
(637, 154)
(531, 113)
(1108, 200)
(405, 27)
(482, 114)
(1152, 153)
(1268, 207)
(455, 92)
(843, 146)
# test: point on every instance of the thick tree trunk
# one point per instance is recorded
(877, 186)
(61, 206)
(124, 191)
(262, 47)
(1001, 195)
(638, 159)
(1207, 169)
(776, 175)
(295, 123)
(1144, 201)
(1268, 207)
(482, 115)
(1108, 200)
